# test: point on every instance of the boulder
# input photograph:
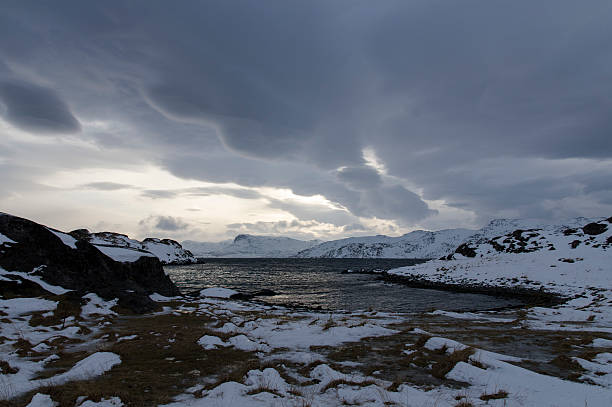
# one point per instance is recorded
(594, 228)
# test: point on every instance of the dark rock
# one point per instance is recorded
(264, 293)
(569, 231)
(594, 228)
(609, 240)
(84, 269)
(575, 244)
(466, 250)
(241, 296)
(609, 219)
(80, 234)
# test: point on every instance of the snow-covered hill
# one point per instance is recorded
(250, 246)
(423, 244)
(119, 246)
(418, 244)
(573, 261)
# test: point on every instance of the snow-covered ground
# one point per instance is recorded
(322, 359)
(561, 260)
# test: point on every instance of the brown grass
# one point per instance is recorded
(146, 377)
(501, 394)
(335, 383)
(446, 364)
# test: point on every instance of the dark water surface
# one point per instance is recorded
(320, 283)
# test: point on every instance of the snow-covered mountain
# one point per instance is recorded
(250, 246)
(418, 244)
(424, 244)
(168, 251)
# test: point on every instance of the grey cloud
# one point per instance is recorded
(165, 223)
(354, 227)
(159, 193)
(107, 186)
(360, 177)
(201, 191)
(433, 87)
(36, 109)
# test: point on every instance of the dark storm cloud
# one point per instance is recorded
(288, 94)
(360, 177)
(36, 109)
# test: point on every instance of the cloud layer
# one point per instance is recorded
(473, 109)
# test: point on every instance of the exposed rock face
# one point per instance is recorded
(594, 228)
(78, 265)
(532, 240)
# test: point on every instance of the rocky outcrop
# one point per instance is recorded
(168, 251)
(67, 261)
(533, 240)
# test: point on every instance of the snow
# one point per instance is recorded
(97, 306)
(166, 250)
(123, 254)
(126, 338)
(418, 244)
(422, 244)
(92, 366)
(54, 289)
(42, 400)
(211, 342)
(65, 238)
(4, 239)
(217, 292)
(602, 343)
(585, 280)
(161, 298)
(20, 306)
(105, 402)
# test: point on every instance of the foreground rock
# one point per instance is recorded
(59, 259)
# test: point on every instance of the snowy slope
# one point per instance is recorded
(422, 244)
(250, 246)
(121, 248)
(417, 244)
(575, 262)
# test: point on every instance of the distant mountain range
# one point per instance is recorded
(250, 246)
(418, 244)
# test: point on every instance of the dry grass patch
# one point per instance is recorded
(447, 363)
(501, 394)
(154, 369)
(338, 382)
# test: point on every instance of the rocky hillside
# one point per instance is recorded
(251, 246)
(33, 256)
(564, 238)
(424, 244)
(168, 251)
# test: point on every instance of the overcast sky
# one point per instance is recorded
(312, 119)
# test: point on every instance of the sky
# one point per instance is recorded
(201, 120)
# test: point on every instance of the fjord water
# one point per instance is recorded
(320, 283)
